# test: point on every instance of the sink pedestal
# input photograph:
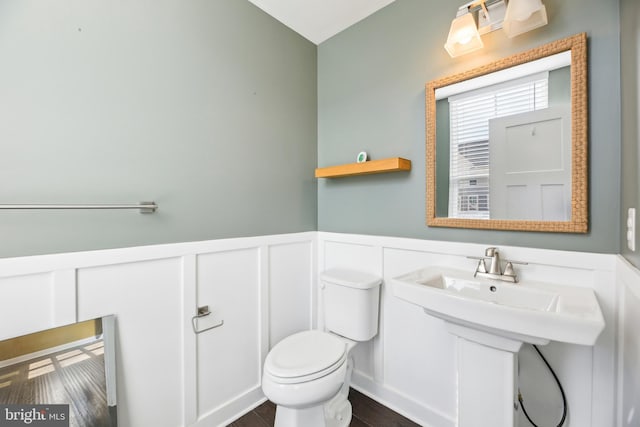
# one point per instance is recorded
(487, 378)
(491, 320)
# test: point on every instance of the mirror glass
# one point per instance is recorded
(506, 143)
(64, 375)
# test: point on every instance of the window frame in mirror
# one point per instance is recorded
(578, 223)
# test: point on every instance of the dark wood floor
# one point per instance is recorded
(366, 413)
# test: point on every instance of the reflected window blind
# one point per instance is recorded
(470, 113)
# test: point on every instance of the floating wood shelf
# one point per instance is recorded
(393, 164)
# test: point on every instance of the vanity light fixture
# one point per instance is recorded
(463, 35)
(523, 16)
(484, 16)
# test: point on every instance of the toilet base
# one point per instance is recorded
(336, 412)
(288, 417)
(327, 415)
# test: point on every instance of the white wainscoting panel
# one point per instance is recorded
(413, 339)
(291, 276)
(26, 304)
(265, 288)
(229, 362)
(146, 298)
(628, 345)
(418, 356)
(168, 376)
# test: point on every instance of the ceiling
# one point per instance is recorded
(318, 20)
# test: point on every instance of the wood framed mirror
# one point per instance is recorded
(507, 143)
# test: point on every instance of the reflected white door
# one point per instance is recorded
(530, 165)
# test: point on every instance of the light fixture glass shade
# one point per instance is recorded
(463, 36)
(523, 16)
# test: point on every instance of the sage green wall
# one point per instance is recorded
(207, 107)
(443, 156)
(630, 72)
(560, 86)
(371, 81)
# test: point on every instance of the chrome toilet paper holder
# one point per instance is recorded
(203, 312)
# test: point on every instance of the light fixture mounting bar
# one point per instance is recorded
(477, 5)
(489, 14)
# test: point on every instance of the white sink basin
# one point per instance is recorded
(529, 312)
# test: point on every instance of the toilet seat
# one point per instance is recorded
(305, 356)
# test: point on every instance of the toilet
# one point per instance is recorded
(307, 374)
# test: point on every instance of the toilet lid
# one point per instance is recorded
(304, 354)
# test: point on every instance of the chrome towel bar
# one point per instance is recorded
(145, 207)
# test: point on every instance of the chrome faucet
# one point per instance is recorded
(495, 268)
(493, 253)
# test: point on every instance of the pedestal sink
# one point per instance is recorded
(491, 319)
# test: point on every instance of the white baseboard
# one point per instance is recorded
(224, 415)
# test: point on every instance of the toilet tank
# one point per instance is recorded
(351, 303)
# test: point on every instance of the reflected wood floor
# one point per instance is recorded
(366, 413)
(74, 376)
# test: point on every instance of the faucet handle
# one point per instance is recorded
(481, 267)
(508, 269)
(510, 272)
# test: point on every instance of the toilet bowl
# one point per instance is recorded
(307, 375)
